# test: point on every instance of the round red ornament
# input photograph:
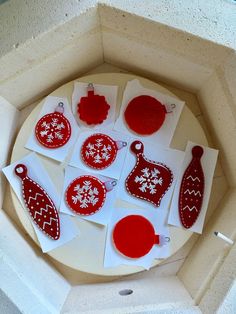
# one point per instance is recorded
(86, 194)
(53, 130)
(99, 150)
(134, 236)
(145, 114)
(93, 109)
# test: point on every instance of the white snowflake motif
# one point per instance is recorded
(52, 130)
(148, 180)
(98, 152)
(85, 195)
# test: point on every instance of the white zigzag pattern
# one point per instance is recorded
(190, 208)
(193, 192)
(34, 198)
(48, 223)
(193, 179)
(40, 211)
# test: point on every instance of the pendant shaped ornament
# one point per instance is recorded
(39, 204)
(145, 115)
(99, 151)
(149, 180)
(134, 236)
(192, 190)
(93, 109)
(53, 130)
(86, 194)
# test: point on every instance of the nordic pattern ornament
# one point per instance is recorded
(134, 236)
(149, 180)
(99, 151)
(53, 130)
(40, 206)
(86, 194)
(192, 190)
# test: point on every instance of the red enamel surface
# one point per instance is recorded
(53, 130)
(99, 151)
(134, 236)
(93, 109)
(149, 180)
(144, 115)
(85, 195)
(192, 190)
(39, 204)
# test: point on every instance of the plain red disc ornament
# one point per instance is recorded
(134, 236)
(145, 115)
(86, 194)
(53, 130)
(192, 190)
(149, 180)
(99, 150)
(93, 109)
(40, 206)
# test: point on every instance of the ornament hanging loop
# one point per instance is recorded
(60, 107)
(170, 108)
(90, 89)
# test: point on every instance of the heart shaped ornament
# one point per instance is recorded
(53, 130)
(40, 206)
(86, 194)
(192, 190)
(149, 180)
(99, 151)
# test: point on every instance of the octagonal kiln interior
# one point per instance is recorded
(200, 72)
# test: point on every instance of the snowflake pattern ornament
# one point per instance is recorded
(53, 130)
(99, 151)
(86, 194)
(149, 180)
(192, 190)
(93, 109)
(40, 206)
(134, 236)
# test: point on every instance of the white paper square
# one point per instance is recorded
(164, 135)
(172, 158)
(37, 173)
(104, 214)
(114, 170)
(110, 94)
(59, 153)
(208, 161)
(113, 258)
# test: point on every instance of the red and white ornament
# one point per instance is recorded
(93, 109)
(134, 236)
(99, 151)
(145, 114)
(149, 180)
(86, 194)
(192, 190)
(40, 206)
(53, 130)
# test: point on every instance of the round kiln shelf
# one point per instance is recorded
(85, 253)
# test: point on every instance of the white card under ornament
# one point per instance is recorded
(37, 173)
(172, 158)
(59, 153)
(110, 94)
(164, 135)
(104, 214)
(208, 162)
(113, 258)
(114, 170)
